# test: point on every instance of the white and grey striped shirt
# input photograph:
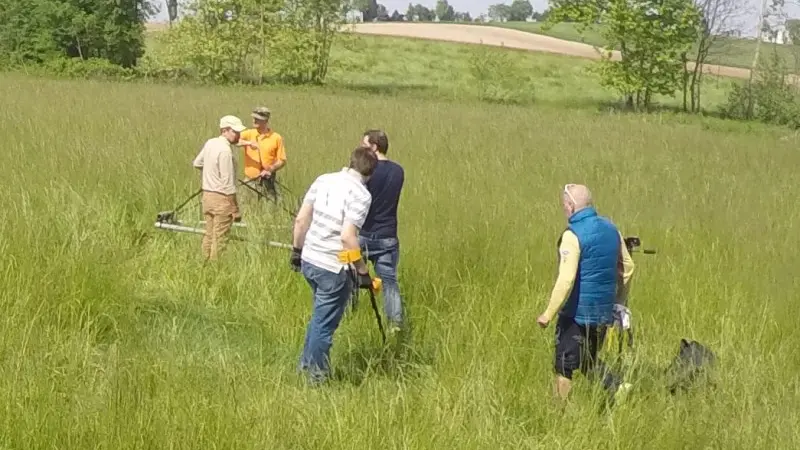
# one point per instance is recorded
(337, 197)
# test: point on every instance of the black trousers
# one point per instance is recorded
(268, 184)
(576, 348)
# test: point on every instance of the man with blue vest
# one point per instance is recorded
(595, 271)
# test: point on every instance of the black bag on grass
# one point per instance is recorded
(692, 365)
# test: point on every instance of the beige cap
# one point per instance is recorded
(233, 123)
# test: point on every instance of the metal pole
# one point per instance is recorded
(185, 229)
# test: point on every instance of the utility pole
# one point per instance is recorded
(759, 36)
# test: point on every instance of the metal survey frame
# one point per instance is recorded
(185, 229)
(168, 220)
(633, 243)
(262, 195)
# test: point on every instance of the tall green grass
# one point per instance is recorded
(114, 335)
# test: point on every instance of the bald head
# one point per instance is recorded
(575, 198)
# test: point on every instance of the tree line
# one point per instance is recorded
(36, 31)
(517, 11)
(662, 44)
(221, 41)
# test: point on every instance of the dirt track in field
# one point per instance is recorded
(473, 34)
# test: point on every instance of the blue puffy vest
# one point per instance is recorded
(591, 301)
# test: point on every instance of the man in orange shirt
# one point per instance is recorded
(264, 152)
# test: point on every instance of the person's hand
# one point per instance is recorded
(294, 260)
(237, 213)
(543, 321)
(265, 174)
(364, 281)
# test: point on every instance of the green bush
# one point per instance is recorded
(499, 77)
(771, 97)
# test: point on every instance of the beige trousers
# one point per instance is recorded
(219, 212)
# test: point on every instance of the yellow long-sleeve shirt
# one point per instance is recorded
(570, 252)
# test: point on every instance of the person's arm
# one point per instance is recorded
(567, 270)
(280, 157)
(625, 273)
(303, 219)
(402, 183)
(199, 159)
(246, 139)
(227, 170)
(354, 216)
(301, 224)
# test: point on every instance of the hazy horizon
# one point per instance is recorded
(748, 22)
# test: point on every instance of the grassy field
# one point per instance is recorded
(115, 335)
(733, 52)
(426, 69)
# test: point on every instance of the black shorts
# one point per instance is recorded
(576, 346)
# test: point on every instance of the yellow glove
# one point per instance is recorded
(349, 256)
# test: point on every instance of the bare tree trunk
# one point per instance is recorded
(685, 81)
(697, 74)
(704, 46)
(696, 92)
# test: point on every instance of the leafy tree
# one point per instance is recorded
(369, 8)
(419, 12)
(35, 31)
(769, 97)
(652, 35)
(793, 30)
(541, 16)
(463, 17)
(719, 18)
(499, 12)
(253, 40)
(444, 11)
(520, 10)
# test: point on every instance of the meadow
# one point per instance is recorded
(115, 335)
(726, 51)
(454, 72)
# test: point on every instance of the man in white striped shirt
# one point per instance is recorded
(326, 237)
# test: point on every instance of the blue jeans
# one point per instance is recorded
(330, 294)
(384, 253)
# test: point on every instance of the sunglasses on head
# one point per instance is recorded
(566, 191)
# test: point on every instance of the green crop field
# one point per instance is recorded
(115, 336)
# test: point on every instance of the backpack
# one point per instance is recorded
(692, 365)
